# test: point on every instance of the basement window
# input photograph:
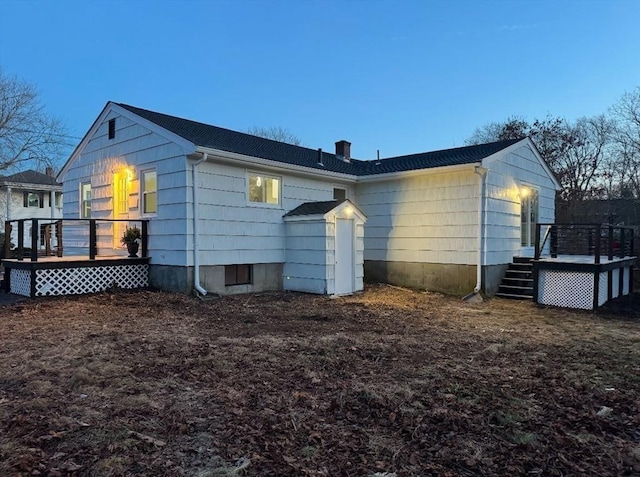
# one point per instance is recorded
(237, 274)
(112, 128)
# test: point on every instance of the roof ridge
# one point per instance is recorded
(455, 149)
(171, 116)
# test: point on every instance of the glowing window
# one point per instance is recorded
(149, 192)
(120, 193)
(85, 200)
(264, 189)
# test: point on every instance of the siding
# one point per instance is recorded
(309, 252)
(428, 219)
(506, 174)
(136, 146)
(233, 230)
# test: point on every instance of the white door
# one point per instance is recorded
(528, 220)
(344, 257)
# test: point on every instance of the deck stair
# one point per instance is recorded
(517, 283)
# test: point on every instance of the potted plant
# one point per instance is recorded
(131, 239)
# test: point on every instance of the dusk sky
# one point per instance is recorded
(402, 76)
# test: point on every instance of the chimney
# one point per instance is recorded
(343, 150)
(49, 171)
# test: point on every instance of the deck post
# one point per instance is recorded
(92, 239)
(35, 235)
(610, 237)
(143, 225)
(59, 238)
(597, 249)
(6, 250)
(537, 252)
(20, 253)
(553, 245)
(621, 246)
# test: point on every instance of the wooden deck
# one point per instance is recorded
(74, 275)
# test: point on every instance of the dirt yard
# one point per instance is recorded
(389, 382)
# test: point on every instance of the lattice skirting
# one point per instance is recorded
(20, 282)
(566, 289)
(574, 289)
(79, 280)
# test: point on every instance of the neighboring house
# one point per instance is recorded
(33, 195)
(270, 215)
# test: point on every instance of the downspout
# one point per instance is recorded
(482, 173)
(196, 229)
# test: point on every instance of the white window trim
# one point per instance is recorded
(38, 195)
(263, 204)
(81, 200)
(143, 193)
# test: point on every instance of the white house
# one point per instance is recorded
(222, 207)
(33, 195)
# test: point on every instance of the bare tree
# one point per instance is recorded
(581, 166)
(515, 127)
(626, 114)
(276, 133)
(28, 135)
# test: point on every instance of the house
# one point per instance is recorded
(231, 213)
(30, 194)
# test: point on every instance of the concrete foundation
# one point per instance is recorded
(266, 276)
(492, 277)
(446, 278)
(171, 278)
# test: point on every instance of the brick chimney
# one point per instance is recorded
(49, 171)
(343, 150)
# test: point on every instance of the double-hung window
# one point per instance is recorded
(120, 193)
(264, 189)
(85, 200)
(149, 192)
(33, 199)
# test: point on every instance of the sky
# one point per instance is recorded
(396, 76)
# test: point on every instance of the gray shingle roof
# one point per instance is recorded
(314, 208)
(30, 177)
(427, 160)
(241, 143)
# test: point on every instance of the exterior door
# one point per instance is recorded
(528, 220)
(344, 257)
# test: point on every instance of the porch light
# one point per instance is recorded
(524, 192)
(348, 211)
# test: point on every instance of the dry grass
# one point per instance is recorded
(391, 380)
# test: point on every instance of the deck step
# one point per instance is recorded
(526, 267)
(514, 296)
(517, 283)
(522, 259)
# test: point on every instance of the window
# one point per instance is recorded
(85, 200)
(120, 193)
(237, 274)
(149, 192)
(112, 128)
(264, 189)
(33, 199)
(339, 194)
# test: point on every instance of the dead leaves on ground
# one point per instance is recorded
(389, 382)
